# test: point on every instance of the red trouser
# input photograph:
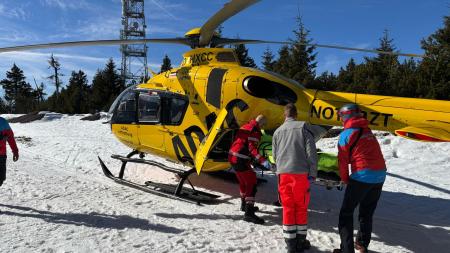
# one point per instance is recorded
(294, 192)
(247, 184)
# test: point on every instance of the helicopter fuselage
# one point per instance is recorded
(171, 113)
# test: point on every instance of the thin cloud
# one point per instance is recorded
(38, 57)
(66, 4)
(16, 12)
(106, 29)
(164, 9)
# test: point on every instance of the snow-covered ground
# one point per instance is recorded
(56, 199)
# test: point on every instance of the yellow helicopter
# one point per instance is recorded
(189, 114)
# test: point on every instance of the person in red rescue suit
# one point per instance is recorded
(6, 135)
(359, 147)
(295, 154)
(243, 150)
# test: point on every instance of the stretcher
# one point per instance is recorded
(327, 167)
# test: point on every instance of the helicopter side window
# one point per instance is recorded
(126, 109)
(149, 107)
(177, 110)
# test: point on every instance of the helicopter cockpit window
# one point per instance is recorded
(126, 109)
(149, 107)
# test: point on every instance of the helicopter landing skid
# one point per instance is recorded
(164, 190)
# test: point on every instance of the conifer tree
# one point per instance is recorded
(435, 67)
(39, 93)
(282, 64)
(3, 107)
(326, 81)
(18, 93)
(242, 54)
(383, 69)
(302, 63)
(166, 65)
(346, 77)
(77, 93)
(106, 86)
(55, 66)
(268, 60)
(407, 81)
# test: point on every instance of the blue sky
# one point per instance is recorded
(340, 22)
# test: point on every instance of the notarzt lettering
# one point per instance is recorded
(330, 113)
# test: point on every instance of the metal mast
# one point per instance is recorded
(134, 57)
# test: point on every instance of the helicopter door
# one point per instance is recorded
(205, 147)
(151, 134)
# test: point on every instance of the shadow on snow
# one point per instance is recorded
(401, 219)
(93, 219)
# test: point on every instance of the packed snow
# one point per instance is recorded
(56, 199)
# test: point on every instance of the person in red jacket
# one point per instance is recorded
(6, 134)
(243, 150)
(358, 147)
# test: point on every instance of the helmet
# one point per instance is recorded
(349, 111)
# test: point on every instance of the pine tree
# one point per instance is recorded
(56, 66)
(407, 82)
(18, 93)
(346, 77)
(106, 86)
(326, 81)
(76, 94)
(166, 65)
(242, 54)
(434, 69)
(268, 60)
(39, 93)
(282, 64)
(383, 69)
(3, 107)
(302, 57)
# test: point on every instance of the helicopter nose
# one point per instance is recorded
(274, 92)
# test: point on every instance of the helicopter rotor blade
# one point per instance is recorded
(183, 41)
(230, 9)
(224, 41)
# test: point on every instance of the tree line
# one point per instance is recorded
(381, 74)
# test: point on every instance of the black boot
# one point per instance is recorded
(302, 243)
(291, 245)
(243, 206)
(250, 216)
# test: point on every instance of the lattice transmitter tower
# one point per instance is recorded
(134, 57)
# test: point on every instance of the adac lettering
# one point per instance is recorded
(180, 149)
(330, 113)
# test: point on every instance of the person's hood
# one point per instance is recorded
(356, 123)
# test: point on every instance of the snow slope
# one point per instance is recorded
(56, 199)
